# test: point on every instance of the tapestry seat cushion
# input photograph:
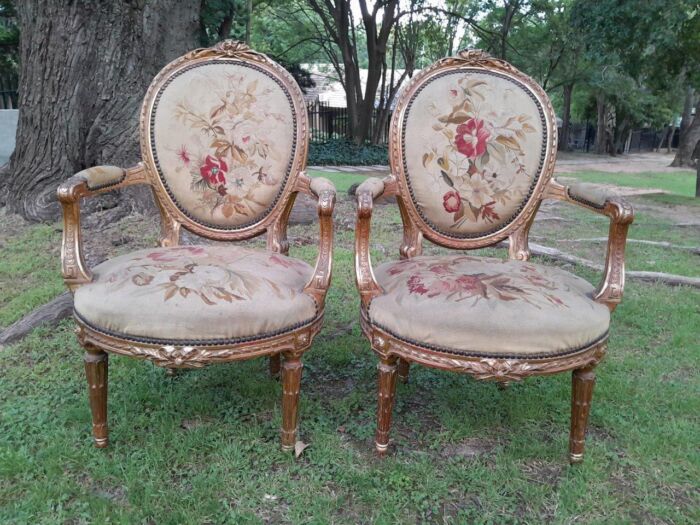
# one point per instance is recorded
(485, 306)
(191, 293)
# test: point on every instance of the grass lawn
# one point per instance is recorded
(202, 447)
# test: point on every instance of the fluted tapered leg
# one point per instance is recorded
(96, 365)
(582, 383)
(403, 369)
(387, 389)
(275, 365)
(291, 383)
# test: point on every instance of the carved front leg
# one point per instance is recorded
(582, 383)
(96, 367)
(387, 390)
(291, 384)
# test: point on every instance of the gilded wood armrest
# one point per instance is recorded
(87, 183)
(323, 190)
(365, 194)
(621, 214)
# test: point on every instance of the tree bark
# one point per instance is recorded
(85, 66)
(669, 139)
(689, 140)
(566, 118)
(687, 115)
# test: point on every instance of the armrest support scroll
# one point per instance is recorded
(364, 276)
(324, 191)
(621, 214)
(87, 183)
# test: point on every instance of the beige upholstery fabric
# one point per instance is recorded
(487, 306)
(373, 185)
(224, 138)
(100, 176)
(197, 292)
(589, 193)
(321, 184)
(473, 145)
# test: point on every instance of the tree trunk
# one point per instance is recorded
(689, 139)
(669, 140)
(566, 118)
(687, 115)
(85, 66)
(600, 139)
(663, 137)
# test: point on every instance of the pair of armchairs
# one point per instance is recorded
(224, 138)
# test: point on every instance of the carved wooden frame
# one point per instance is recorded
(395, 353)
(291, 343)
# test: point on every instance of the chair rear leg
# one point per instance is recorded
(582, 383)
(274, 365)
(291, 384)
(96, 368)
(403, 369)
(387, 391)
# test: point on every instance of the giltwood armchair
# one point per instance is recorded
(224, 140)
(472, 149)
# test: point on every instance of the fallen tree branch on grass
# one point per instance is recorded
(661, 244)
(668, 279)
(49, 314)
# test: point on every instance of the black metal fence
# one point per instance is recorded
(328, 122)
(8, 92)
(582, 138)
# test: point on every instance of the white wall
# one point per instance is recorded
(8, 127)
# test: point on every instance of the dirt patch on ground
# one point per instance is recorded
(632, 163)
(469, 448)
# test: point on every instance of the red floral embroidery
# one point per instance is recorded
(447, 280)
(451, 202)
(214, 170)
(488, 213)
(471, 138)
(415, 285)
(183, 154)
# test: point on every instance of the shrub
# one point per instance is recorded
(337, 152)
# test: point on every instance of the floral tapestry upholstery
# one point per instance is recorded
(197, 293)
(487, 306)
(223, 139)
(474, 145)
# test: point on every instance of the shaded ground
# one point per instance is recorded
(202, 447)
(568, 162)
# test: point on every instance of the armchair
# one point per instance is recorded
(472, 151)
(224, 139)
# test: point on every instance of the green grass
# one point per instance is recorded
(29, 273)
(681, 182)
(202, 447)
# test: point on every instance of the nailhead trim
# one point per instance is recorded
(469, 353)
(152, 121)
(106, 184)
(525, 201)
(197, 342)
